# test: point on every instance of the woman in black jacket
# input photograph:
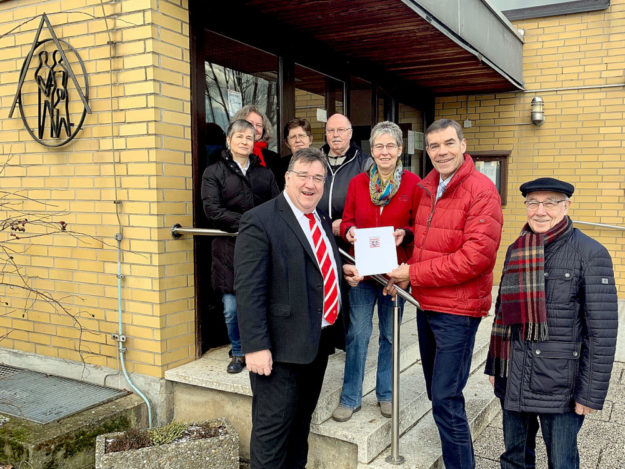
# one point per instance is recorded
(235, 183)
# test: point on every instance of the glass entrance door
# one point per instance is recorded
(235, 75)
(317, 97)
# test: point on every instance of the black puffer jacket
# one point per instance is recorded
(226, 195)
(575, 363)
(337, 180)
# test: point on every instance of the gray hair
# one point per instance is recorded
(267, 127)
(384, 128)
(443, 124)
(239, 125)
(309, 155)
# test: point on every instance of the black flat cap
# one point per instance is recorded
(547, 184)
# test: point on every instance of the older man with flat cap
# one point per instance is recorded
(554, 335)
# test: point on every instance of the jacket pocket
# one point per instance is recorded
(554, 366)
(281, 310)
(560, 285)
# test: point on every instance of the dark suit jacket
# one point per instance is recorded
(279, 287)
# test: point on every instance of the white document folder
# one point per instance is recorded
(375, 250)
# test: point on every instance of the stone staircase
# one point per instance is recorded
(202, 389)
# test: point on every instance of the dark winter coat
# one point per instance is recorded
(337, 180)
(226, 195)
(575, 363)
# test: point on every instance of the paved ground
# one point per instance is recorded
(601, 439)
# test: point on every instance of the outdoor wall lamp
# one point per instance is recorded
(538, 116)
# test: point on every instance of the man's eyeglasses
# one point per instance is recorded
(294, 138)
(317, 179)
(340, 131)
(547, 204)
(388, 146)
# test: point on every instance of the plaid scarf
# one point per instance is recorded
(382, 192)
(522, 294)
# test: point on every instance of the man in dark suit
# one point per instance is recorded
(289, 312)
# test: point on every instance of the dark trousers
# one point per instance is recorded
(446, 344)
(559, 432)
(282, 407)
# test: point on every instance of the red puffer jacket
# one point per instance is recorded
(456, 241)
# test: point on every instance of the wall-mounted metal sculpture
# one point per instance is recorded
(54, 122)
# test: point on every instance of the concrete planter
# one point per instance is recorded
(220, 451)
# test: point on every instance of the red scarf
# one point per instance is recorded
(259, 146)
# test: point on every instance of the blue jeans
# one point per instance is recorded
(446, 344)
(559, 432)
(362, 300)
(230, 313)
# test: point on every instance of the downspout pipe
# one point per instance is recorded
(121, 338)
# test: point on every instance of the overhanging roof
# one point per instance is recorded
(444, 46)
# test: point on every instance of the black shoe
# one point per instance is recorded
(236, 365)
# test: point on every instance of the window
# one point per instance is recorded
(315, 95)
(238, 75)
(494, 164)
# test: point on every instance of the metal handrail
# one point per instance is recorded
(601, 225)
(177, 231)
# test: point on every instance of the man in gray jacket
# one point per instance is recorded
(554, 336)
(345, 160)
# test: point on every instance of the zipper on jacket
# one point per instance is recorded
(427, 226)
(332, 183)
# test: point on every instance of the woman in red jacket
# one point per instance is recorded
(382, 196)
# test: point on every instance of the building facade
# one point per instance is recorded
(575, 63)
(97, 270)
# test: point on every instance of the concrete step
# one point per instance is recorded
(367, 433)
(333, 381)
(368, 429)
(203, 390)
(421, 447)
(210, 370)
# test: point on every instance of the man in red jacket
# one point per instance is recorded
(457, 231)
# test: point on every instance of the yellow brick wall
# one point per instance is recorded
(581, 140)
(135, 147)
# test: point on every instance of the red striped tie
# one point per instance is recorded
(330, 286)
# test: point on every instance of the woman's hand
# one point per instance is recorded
(390, 289)
(349, 236)
(336, 227)
(399, 236)
(352, 276)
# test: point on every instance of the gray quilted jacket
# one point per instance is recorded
(575, 363)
